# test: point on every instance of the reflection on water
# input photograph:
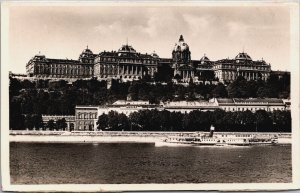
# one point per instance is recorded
(42, 163)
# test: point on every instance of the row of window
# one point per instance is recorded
(240, 67)
(86, 116)
(108, 59)
(63, 71)
(85, 123)
(252, 109)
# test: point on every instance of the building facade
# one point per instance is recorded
(127, 64)
(227, 70)
(41, 67)
(70, 120)
(86, 116)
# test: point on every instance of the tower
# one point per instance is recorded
(181, 53)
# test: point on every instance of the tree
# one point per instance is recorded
(37, 121)
(263, 121)
(123, 122)
(29, 124)
(61, 124)
(113, 121)
(102, 123)
(219, 91)
(51, 125)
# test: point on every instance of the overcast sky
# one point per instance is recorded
(219, 32)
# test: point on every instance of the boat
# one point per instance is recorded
(222, 140)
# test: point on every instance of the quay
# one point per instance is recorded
(121, 136)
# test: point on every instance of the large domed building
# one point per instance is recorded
(227, 70)
(42, 67)
(181, 57)
(127, 64)
(87, 56)
(181, 53)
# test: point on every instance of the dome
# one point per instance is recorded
(181, 45)
(154, 55)
(243, 56)
(86, 53)
(127, 49)
(86, 56)
(204, 59)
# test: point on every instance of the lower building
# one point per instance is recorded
(86, 116)
(252, 104)
(70, 120)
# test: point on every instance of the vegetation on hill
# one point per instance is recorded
(34, 98)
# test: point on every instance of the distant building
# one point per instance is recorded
(227, 70)
(127, 64)
(41, 67)
(70, 120)
(252, 104)
(86, 116)
(181, 57)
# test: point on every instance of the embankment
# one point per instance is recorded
(120, 137)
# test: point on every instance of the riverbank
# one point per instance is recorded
(121, 137)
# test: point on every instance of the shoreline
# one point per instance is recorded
(118, 137)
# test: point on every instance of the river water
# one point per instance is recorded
(114, 163)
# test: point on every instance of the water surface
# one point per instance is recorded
(48, 163)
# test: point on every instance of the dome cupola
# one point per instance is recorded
(204, 59)
(242, 57)
(126, 50)
(154, 55)
(86, 56)
(181, 52)
(181, 45)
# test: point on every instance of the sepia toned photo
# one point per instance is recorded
(149, 96)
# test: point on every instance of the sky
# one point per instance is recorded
(219, 32)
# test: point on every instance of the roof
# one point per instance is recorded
(126, 49)
(128, 102)
(258, 100)
(204, 59)
(243, 56)
(224, 100)
(181, 45)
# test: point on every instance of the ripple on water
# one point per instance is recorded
(33, 163)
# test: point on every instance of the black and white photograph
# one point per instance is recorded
(130, 96)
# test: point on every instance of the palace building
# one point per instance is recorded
(225, 70)
(127, 64)
(41, 67)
